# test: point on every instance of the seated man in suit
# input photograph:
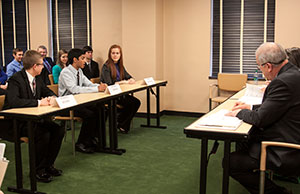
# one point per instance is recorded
(26, 89)
(48, 64)
(16, 64)
(73, 81)
(276, 119)
(91, 68)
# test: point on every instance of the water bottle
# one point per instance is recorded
(255, 77)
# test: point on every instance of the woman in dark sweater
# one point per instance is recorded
(113, 71)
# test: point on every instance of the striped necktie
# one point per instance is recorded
(78, 83)
(48, 66)
(33, 87)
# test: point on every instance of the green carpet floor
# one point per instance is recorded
(157, 161)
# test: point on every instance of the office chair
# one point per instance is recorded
(263, 157)
(2, 99)
(71, 118)
(95, 80)
(227, 82)
(51, 79)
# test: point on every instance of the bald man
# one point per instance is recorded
(276, 119)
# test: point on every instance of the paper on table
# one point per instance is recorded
(218, 120)
(3, 162)
(2, 150)
(253, 94)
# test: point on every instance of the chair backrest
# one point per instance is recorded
(54, 88)
(2, 98)
(51, 79)
(232, 82)
(95, 80)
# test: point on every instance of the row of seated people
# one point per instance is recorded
(26, 88)
(90, 70)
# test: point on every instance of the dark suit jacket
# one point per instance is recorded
(106, 75)
(95, 70)
(19, 93)
(45, 73)
(2, 91)
(277, 118)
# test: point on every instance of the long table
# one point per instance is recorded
(36, 113)
(228, 136)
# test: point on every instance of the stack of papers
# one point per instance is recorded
(3, 162)
(253, 94)
(218, 120)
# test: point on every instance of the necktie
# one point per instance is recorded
(89, 66)
(47, 66)
(33, 87)
(78, 78)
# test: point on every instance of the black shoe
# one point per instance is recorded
(53, 171)
(84, 149)
(44, 177)
(94, 143)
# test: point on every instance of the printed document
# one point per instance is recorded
(253, 94)
(218, 120)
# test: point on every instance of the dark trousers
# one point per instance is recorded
(90, 123)
(130, 106)
(245, 169)
(48, 138)
(6, 130)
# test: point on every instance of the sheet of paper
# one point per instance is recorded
(253, 94)
(218, 120)
(2, 150)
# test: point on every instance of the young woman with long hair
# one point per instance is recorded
(113, 71)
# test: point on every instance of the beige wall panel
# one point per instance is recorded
(38, 21)
(160, 47)
(139, 37)
(187, 54)
(142, 40)
(106, 21)
(286, 23)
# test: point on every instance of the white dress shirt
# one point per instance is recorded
(67, 83)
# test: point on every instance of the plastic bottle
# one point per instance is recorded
(255, 77)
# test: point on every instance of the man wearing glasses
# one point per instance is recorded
(276, 119)
(26, 89)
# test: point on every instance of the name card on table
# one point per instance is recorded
(148, 81)
(113, 89)
(66, 101)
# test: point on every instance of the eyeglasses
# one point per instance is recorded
(274, 63)
(39, 64)
(259, 66)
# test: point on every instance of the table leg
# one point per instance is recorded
(102, 129)
(157, 95)
(227, 144)
(31, 156)
(31, 149)
(18, 157)
(203, 165)
(113, 136)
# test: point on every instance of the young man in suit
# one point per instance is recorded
(276, 119)
(26, 89)
(73, 81)
(48, 64)
(91, 68)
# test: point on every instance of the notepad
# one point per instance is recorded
(253, 94)
(218, 120)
